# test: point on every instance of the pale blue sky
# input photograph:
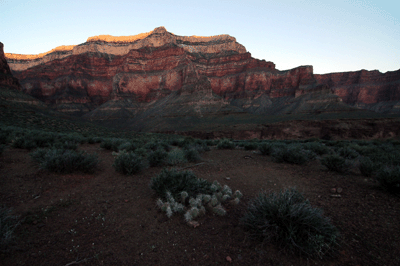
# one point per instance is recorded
(333, 36)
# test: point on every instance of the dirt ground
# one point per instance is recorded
(107, 218)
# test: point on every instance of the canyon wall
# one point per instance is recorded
(143, 70)
(6, 78)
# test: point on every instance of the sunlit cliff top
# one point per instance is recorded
(118, 39)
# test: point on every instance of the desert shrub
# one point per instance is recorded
(226, 144)
(8, 223)
(142, 152)
(290, 221)
(129, 163)
(192, 155)
(347, 153)
(335, 163)
(4, 137)
(24, 143)
(292, 153)
(389, 178)
(67, 145)
(65, 161)
(175, 157)
(2, 148)
(368, 167)
(177, 181)
(73, 137)
(317, 147)
(157, 157)
(265, 148)
(248, 146)
(271, 147)
(128, 146)
(112, 143)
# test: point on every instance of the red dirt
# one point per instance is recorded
(110, 219)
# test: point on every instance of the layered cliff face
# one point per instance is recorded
(161, 74)
(6, 78)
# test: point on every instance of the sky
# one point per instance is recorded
(332, 36)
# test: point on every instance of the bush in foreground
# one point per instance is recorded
(65, 161)
(175, 182)
(129, 163)
(289, 220)
(8, 223)
(389, 178)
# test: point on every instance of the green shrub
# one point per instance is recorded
(24, 143)
(317, 147)
(226, 144)
(67, 145)
(292, 153)
(335, 163)
(175, 182)
(157, 157)
(4, 137)
(368, 167)
(248, 145)
(112, 144)
(8, 223)
(2, 148)
(65, 161)
(192, 155)
(290, 221)
(389, 178)
(175, 157)
(127, 146)
(347, 153)
(129, 163)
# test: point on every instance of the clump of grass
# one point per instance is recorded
(389, 178)
(129, 163)
(289, 220)
(336, 163)
(8, 223)
(65, 161)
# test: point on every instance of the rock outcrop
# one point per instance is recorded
(161, 74)
(6, 78)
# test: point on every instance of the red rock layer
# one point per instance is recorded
(363, 86)
(151, 66)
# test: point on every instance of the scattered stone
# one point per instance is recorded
(227, 178)
(229, 259)
(336, 196)
(339, 190)
(193, 223)
(333, 190)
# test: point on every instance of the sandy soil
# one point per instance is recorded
(110, 219)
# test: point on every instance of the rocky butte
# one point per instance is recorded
(159, 75)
